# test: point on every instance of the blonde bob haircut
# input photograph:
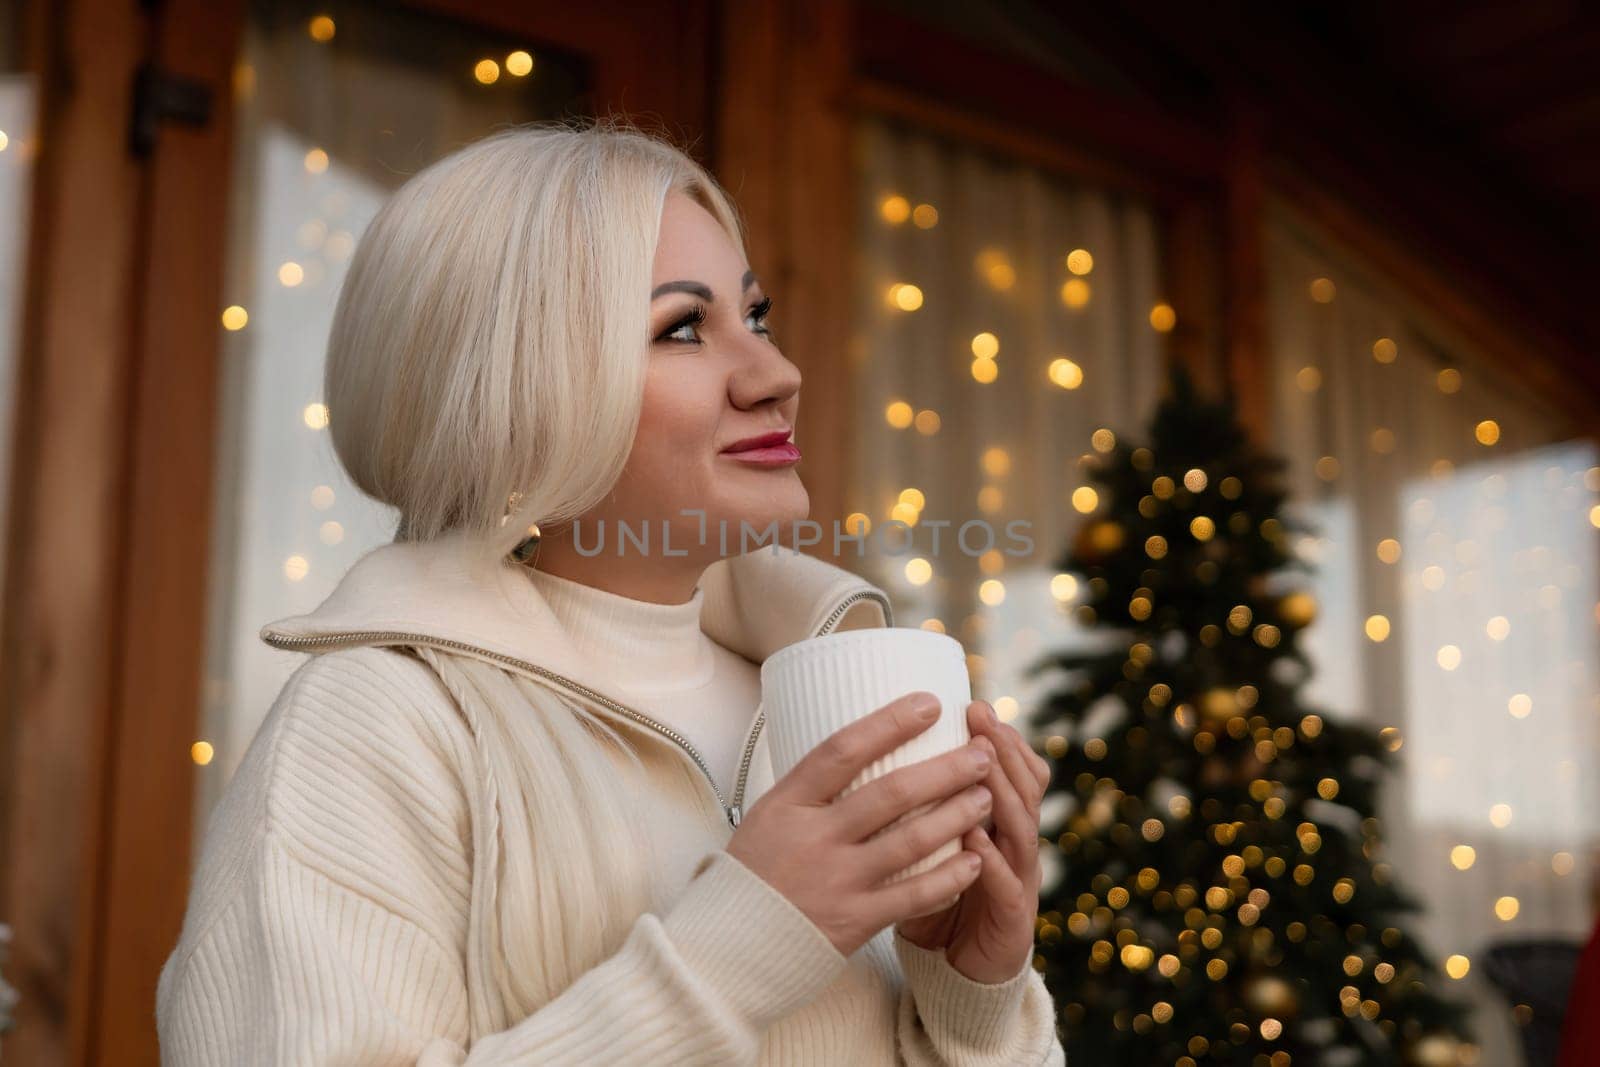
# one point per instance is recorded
(485, 372)
(485, 367)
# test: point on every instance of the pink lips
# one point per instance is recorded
(766, 450)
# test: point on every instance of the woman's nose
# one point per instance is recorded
(765, 376)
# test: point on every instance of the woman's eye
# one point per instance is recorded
(692, 321)
(759, 314)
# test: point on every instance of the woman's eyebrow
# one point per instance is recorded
(699, 289)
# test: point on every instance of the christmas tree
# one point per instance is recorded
(1222, 899)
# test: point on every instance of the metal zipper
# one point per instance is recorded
(731, 811)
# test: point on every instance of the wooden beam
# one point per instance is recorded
(784, 151)
(66, 558)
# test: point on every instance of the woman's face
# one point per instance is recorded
(720, 400)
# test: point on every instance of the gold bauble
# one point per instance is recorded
(1267, 994)
(1434, 1050)
(1218, 705)
(1098, 539)
(1298, 609)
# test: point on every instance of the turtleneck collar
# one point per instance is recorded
(654, 647)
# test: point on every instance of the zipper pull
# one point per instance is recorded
(732, 811)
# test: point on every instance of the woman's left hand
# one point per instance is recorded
(987, 934)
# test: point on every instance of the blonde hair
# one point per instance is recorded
(489, 341)
(487, 349)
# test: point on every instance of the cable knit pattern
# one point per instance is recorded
(332, 921)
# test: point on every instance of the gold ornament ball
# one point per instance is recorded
(1434, 1050)
(1267, 994)
(1298, 609)
(1218, 705)
(1099, 539)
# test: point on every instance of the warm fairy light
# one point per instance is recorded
(1085, 499)
(1103, 440)
(1500, 816)
(234, 317)
(1327, 468)
(1498, 628)
(894, 209)
(201, 752)
(1005, 708)
(905, 296)
(1457, 966)
(857, 524)
(1163, 318)
(1322, 290)
(331, 532)
(1449, 380)
(1065, 373)
(996, 462)
(316, 161)
(925, 216)
(1384, 350)
(1506, 908)
(1063, 587)
(322, 497)
(1520, 706)
(315, 416)
(4, 140)
(1075, 293)
(905, 513)
(1155, 546)
(519, 64)
(1389, 550)
(321, 29)
(1382, 440)
(914, 498)
(1194, 480)
(1594, 516)
(291, 273)
(918, 571)
(1487, 432)
(1561, 863)
(927, 422)
(1309, 379)
(992, 592)
(932, 626)
(985, 345)
(1079, 261)
(990, 499)
(1449, 657)
(1433, 577)
(898, 414)
(996, 269)
(1202, 527)
(487, 71)
(985, 371)
(295, 568)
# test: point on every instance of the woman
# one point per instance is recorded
(516, 807)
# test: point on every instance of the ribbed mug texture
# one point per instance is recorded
(814, 687)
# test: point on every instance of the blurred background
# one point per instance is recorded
(990, 227)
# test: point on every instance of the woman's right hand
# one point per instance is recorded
(811, 845)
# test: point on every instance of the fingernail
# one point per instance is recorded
(988, 710)
(980, 759)
(925, 706)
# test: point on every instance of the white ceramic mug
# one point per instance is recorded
(815, 687)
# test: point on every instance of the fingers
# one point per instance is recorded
(998, 881)
(1017, 827)
(826, 770)
(900, 846)
(926, 892)
(883, 800)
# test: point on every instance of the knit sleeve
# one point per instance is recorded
(948, 1020)
(345, 945)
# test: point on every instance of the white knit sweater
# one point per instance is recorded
(336, 912)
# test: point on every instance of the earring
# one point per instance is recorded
(527, 550)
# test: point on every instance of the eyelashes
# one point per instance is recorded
(695, 318)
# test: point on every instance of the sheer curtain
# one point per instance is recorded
(1004, 316)
(333, 113)
(1458, 592)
